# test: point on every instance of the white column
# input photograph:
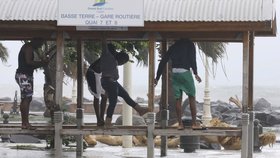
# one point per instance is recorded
(206, 118)
(126, 109)
(74, 92)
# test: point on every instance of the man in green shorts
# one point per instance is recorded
(183, 57)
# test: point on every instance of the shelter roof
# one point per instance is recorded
(169, 18)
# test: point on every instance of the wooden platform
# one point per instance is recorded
(48, 129)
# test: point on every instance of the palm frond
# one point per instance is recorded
(4, 55)
(214, 50)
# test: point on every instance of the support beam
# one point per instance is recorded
(59, 68)
(245, 82)
(80, 72)
(247, 96)
(251, 96)
(151, 89)
(164, 113)
(80, 111)
(251, 71)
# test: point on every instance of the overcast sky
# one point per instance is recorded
(266, 60)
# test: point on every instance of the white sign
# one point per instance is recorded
(101, 28)
(100, 13)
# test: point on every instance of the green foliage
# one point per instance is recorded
(4, 55)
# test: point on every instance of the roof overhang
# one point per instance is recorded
(206, 31)
(215, 20)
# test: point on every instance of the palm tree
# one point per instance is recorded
(3, 53)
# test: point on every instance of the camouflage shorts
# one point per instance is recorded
(25, 83)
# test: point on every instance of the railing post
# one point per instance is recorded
(251, 134)
(151, 127)
(244, 141)
(164, 124)
(58, 120)
(79, 138)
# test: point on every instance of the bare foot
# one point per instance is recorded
(198, 126)
(180, 127)
(29, 127)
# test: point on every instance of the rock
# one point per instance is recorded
(262, 117)
(206, 145)
(37, 104)
(140, 100)
(273, 118)
(262, 105)
(172, 142)
(90, 139)
(5, 99)
(136, 120)
(24, 139)
(109, 140)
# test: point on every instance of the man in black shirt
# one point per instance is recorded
(183, 57)
(110, 59)
(24, 77)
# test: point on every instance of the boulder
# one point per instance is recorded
(5, 99)
(90, 139)
(24, 139)
(136, 120)
(262, 105)
(37, 104)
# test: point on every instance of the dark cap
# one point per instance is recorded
(122, 58)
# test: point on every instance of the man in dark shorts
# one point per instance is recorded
(24, 77)
(93, 76)
(183, 57)
(110, 59)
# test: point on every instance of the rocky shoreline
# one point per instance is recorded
(268, 115)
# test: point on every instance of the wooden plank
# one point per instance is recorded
(120, 130)
(38, 131)
(100, 131)
(190, 132)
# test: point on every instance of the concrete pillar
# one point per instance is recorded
(127, 110)
(206, 118)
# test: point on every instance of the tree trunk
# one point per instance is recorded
(49, 87)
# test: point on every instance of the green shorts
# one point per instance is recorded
(183, 82)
